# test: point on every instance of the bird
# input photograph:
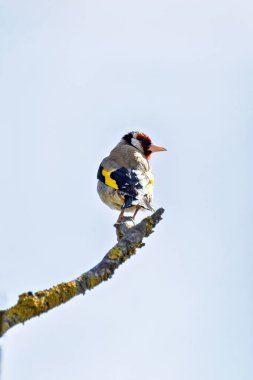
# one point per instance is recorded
(125, 179)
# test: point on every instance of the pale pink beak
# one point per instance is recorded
(156, 148)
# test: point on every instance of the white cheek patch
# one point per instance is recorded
(137, 144)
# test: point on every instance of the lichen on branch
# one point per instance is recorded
(30, 304)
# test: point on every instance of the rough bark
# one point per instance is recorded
(30, 304)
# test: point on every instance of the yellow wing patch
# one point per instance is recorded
(108, 180)
(151, 179)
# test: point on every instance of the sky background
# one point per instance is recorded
(75, 76)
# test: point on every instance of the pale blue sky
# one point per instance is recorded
(74, 77)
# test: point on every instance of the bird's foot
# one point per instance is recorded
(123, 226)
(125, 220)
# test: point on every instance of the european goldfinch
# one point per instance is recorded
(125, 180)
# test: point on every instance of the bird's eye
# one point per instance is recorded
(144, 141)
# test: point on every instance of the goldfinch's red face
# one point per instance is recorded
(142, 142)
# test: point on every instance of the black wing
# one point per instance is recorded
(130, 182)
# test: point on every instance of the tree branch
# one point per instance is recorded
(30, 305)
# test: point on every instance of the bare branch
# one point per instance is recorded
(30, 305)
